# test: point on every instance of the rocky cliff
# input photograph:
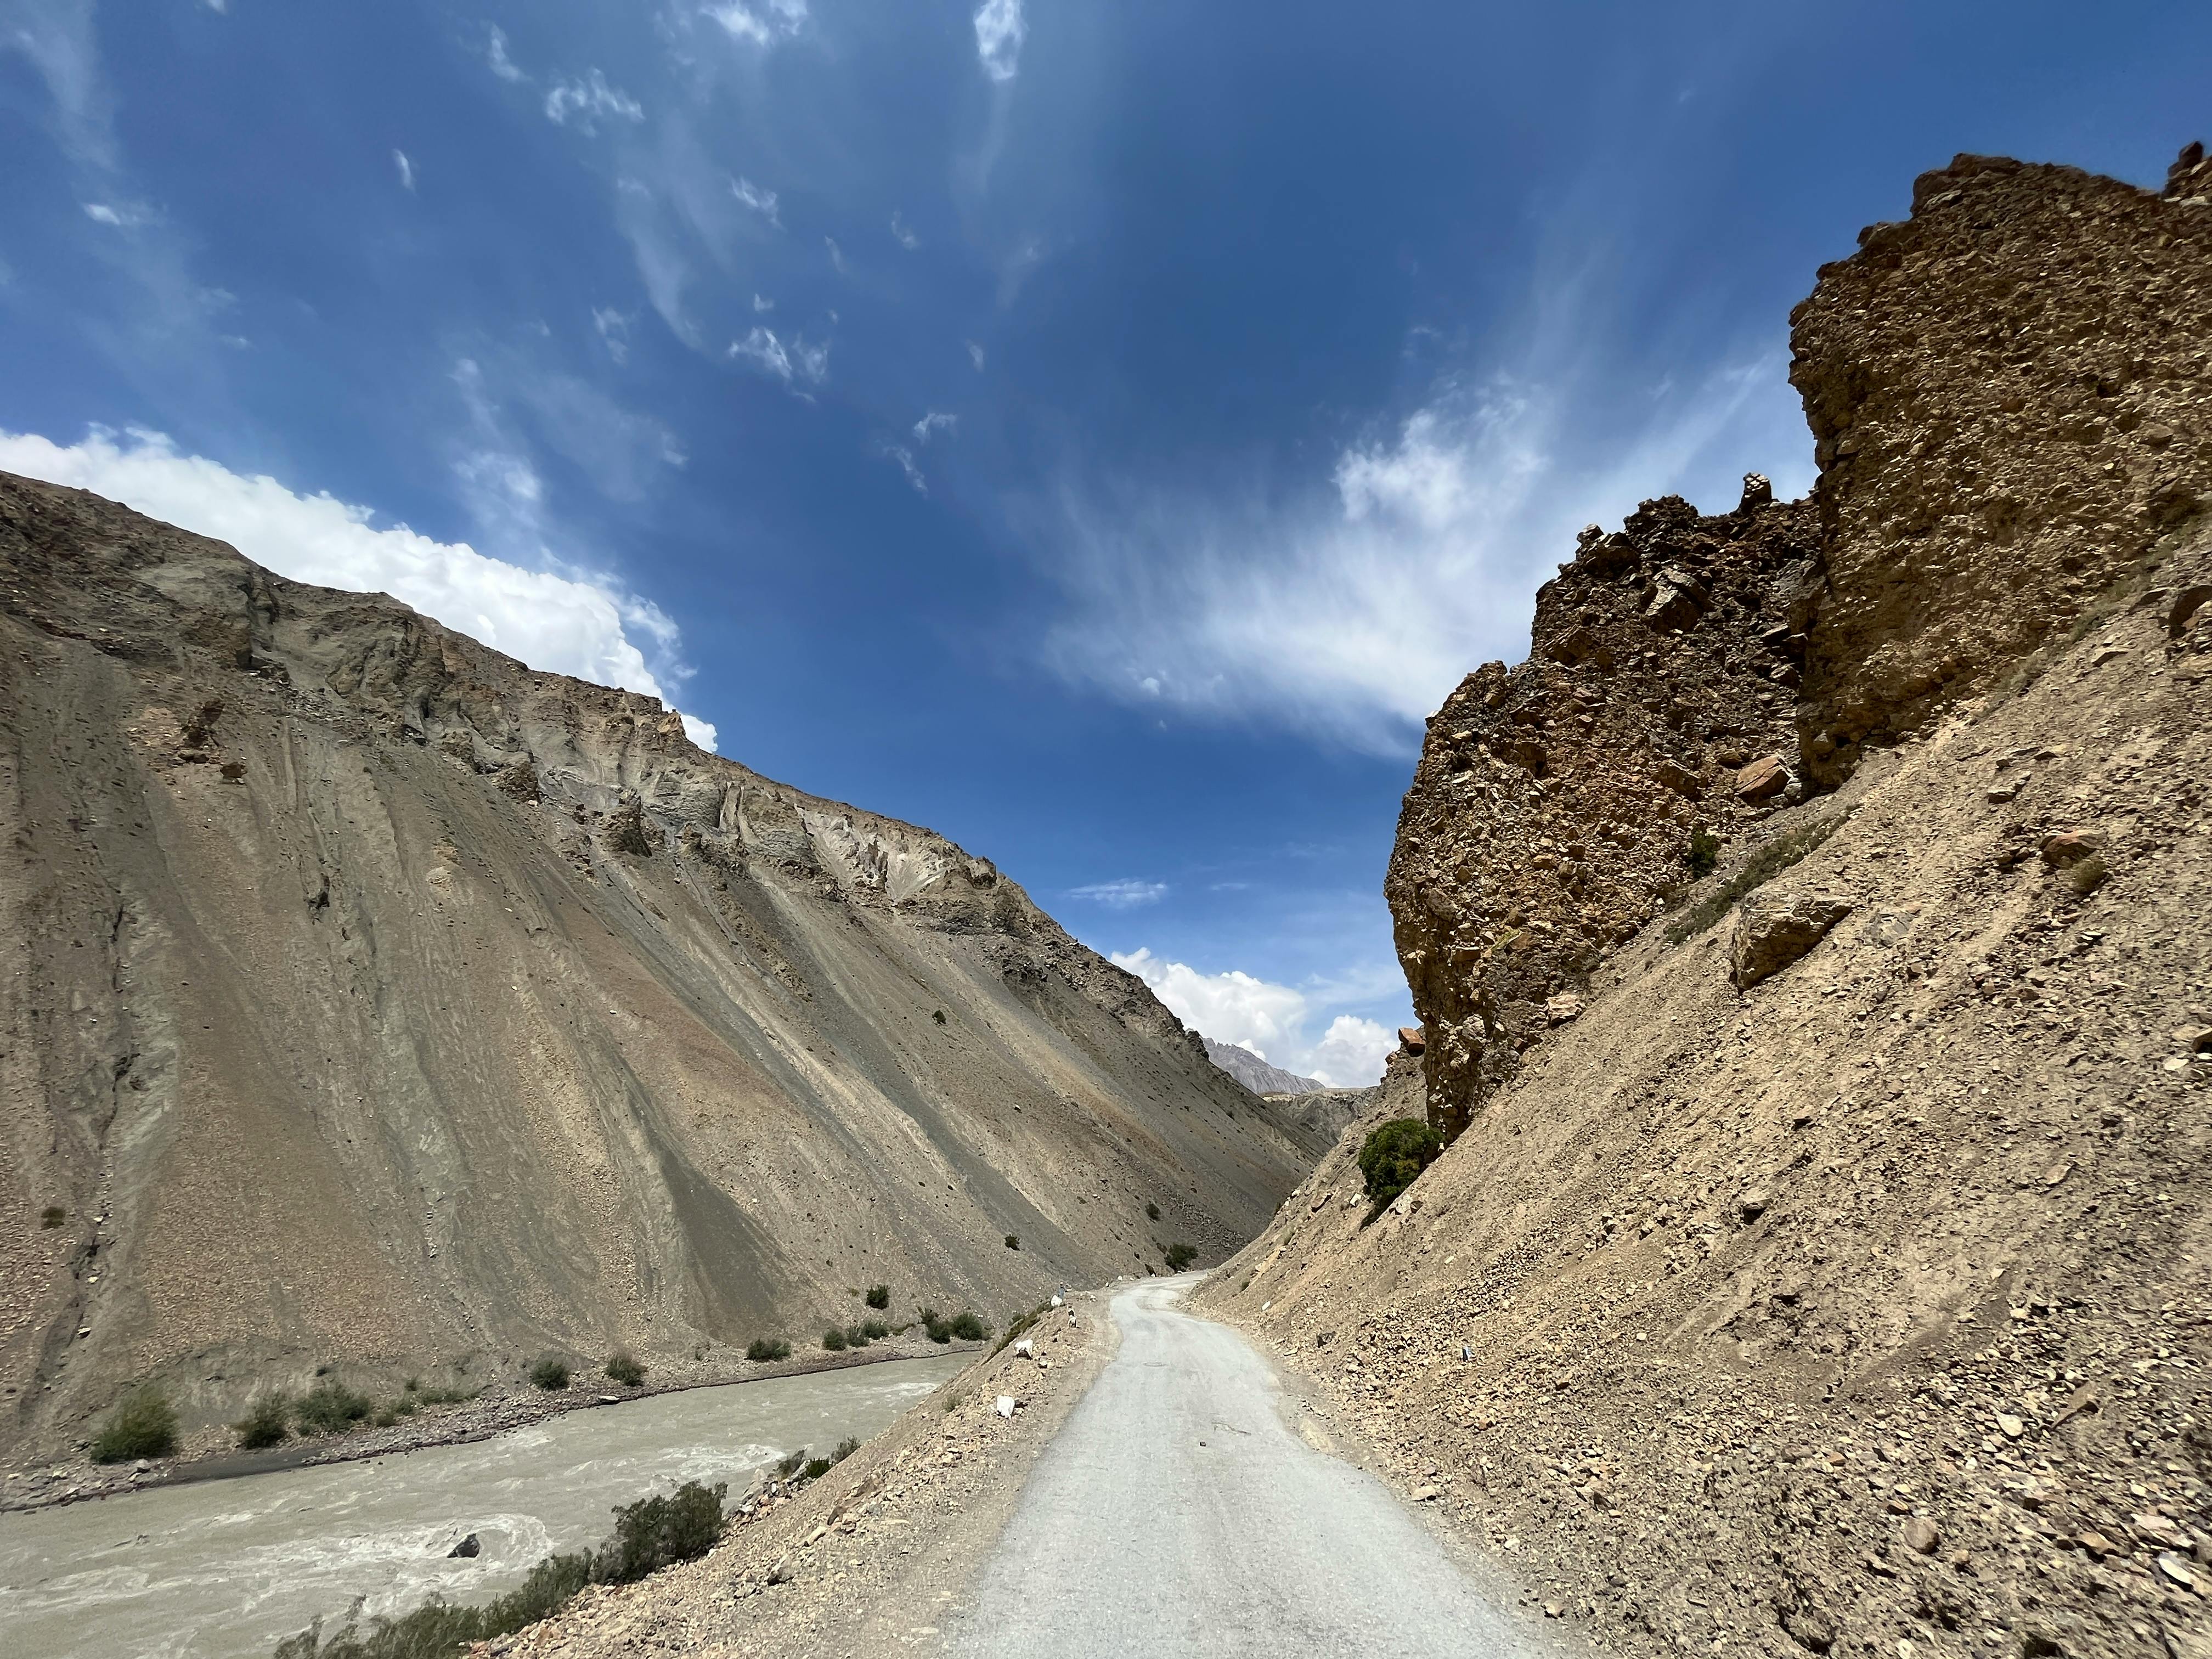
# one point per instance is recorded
(367, 1000)
(1821, 1261)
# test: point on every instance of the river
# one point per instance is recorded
(225, 1569)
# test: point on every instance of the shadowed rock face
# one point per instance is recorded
(367, 998)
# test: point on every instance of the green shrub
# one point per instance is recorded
(879, 1295)
(267, 1422)
(658, 1532)
(1151, 1212)
(2087, 875)
(624, 1367)
(330, 1408)
(938, 1329)
(1768, 862)
(1702, 853)
(143, 1425)
(1019, 1323)
(1014, 1241)
(856, 1336)
(951, 1402)
(1180, 1256)
(550, 1373)
(649, 1535)
(1393, 1155)
(816, 1469)
(768, 1348)
(385, 1419)
(845, 1448)
(968, 1328)
(833, 1341)
(791, 1464)
(52, 1217)
(874, 1329)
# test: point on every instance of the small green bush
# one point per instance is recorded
(623, 1367)
(816, 1469)
(1768, 862)
(387, 1418)
(1151, 1212)
(856, 1336)
(658, 1532)
(550, 1373)
(792, 1463)
(874, 1329)
(1019, 1323)
(267, 1422)
(833, 1341)
(2087, 875)
(1180, 1256)
(1014, 1241)
(1702, 853)
(1393, 1156)
(845, 1448)
(879, 1295)
(768, 1348)
(143, 1425)
(330, 1408)
(52, 1217)
(968, 1328)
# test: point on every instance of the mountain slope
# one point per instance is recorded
(369, 999)
(1821, 1259)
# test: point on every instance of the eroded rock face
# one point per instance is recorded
(1551, 810)
(2006, 392)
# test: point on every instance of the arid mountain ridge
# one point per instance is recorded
(371, 1002)
(1813, 937)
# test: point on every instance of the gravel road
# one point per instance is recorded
(1178, 1513)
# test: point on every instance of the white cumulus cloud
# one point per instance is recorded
(1271, 1020)
(565, 624)
(583, 103)
(1001, 29)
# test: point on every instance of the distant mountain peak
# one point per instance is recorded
(1256, 1074)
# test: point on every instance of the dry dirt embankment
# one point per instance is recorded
(373, 1008)
(870, 1558)
(1822, 1265)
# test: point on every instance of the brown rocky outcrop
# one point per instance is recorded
(2007, 397)
(1552, 813)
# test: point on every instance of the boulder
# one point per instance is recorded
(1772, 930)
(467, 1550)
(1763, 778)
(2070, 847)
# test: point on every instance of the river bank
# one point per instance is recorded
(211, 1453)
(224, 1570)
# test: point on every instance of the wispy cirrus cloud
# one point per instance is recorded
(936, 421)
(902, 233)
(406, 169)
(760, 23)
(585, 103)
(495, 55)
(1123, 895)
(1348, 608)
(761, 201)
(789, 361)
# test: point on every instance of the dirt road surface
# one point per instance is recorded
(1179, 1512)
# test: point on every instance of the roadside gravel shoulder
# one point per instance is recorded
(871, 1556)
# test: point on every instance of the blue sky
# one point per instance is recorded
(1096, 429)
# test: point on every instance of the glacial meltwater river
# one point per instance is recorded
(225, 1569)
